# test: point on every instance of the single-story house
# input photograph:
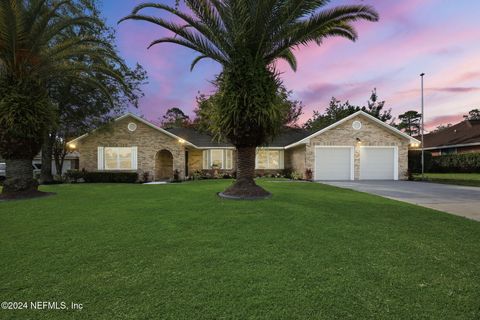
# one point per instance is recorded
(357, 147)
(71, 162)
(464, 137)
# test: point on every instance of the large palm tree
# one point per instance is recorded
(246, 37)
(34, 54)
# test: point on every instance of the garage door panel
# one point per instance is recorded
(377, 163)
(333, 163)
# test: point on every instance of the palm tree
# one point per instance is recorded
(34, 53)
(247, 37)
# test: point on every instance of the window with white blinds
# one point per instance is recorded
(218, 159)
(269, 159)
(117, 158)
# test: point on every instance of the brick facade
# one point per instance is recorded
(148, 140)
(370, 134)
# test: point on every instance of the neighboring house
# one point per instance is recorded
(464, 137)
(356, 147)
(70, 163)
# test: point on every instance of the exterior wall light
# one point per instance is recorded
(72, 146)
(359, 141)
(181, 141)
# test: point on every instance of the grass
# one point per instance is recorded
(463, 179)
(179, 252)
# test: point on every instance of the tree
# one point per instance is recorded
(375, 107)
(410, 122)
(81, 108)
(338, 110)
(175, 118)
(335, 111)
(292, 109)
(203, 121)
(473, 114)
(441, 127)
(33, 54)
(246, 38)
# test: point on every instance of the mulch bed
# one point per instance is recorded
(231, 197)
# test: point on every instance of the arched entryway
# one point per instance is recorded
(163, 165)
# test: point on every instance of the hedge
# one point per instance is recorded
(456, 163)
(103, 176)
(415, 161)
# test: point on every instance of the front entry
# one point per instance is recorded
(163, 165)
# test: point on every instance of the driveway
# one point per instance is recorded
(458, 200)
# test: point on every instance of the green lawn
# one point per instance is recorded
(463, 179)
(178, 252)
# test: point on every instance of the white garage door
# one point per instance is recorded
(378, 163)
(334, 163)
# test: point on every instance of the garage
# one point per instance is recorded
(334, 163)
(378, 163)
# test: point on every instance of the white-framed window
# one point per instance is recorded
(117, 158)
(218, 159)
(269, 159)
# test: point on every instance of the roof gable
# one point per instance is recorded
(353, 115)
(131, 115)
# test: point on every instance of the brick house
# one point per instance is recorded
(463, 137)
(356, 147)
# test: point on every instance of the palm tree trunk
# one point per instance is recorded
(47, 148)
(245, 187)
(19, 177)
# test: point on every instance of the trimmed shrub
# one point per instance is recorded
(115, 177)
(308, 174)
(415, 161)
(74, 175)
(287, 173)
(457, 163)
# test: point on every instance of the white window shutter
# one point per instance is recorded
(282, 155)
(224, 159)
(134, 158)
(100, 162)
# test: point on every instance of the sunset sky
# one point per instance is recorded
(438, 37)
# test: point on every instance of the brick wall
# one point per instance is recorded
(148, 140)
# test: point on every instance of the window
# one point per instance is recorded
(449, 151)
(117, 158)
(218, 159)
(269, 159)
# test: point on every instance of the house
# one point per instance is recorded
(464, 137)
(71, 162)
(356, 147)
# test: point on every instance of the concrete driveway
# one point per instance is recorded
(458, 200)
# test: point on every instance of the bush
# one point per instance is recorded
(287, 173)
(296, 175)
(415, 161)
(146, 176)
(115, 177)
(457, 163)
(308, 174)
(74, 175)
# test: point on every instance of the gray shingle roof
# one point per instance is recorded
(198, 138)
(202, 140)
(465, 132)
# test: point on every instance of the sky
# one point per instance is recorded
(438, 37)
